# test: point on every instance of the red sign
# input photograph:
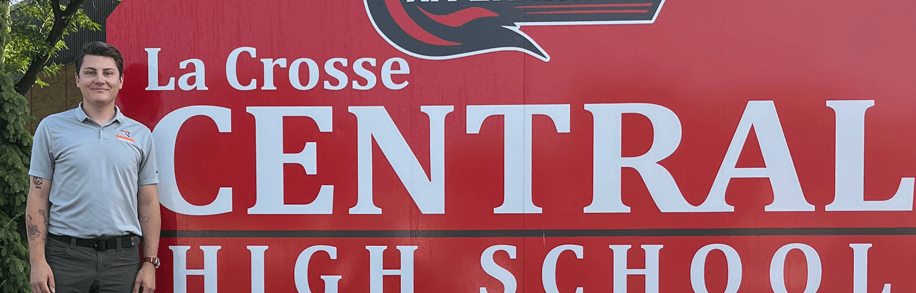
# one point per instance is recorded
(386, 146)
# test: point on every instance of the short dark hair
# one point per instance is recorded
(100, 49)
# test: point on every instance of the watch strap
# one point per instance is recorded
(153, 260)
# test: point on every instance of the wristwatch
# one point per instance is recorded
(153, 260)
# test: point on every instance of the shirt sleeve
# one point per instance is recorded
(42, 162)
(149, 172)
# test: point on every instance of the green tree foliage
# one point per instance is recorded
(36, 28)
(29, 37)
(15, 147)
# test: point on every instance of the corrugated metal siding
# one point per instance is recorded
(98, 11)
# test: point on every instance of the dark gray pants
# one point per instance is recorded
(80, 269)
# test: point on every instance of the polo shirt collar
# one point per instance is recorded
(81, 114)
(118, 116)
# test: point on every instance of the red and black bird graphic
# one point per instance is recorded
(445, 29)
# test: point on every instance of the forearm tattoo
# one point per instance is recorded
(32, 227)
(37, 182)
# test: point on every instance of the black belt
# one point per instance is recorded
(100, 244)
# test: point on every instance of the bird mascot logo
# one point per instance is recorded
(446, 29)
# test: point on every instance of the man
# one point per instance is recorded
(93, 190)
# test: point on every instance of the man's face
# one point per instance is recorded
(99, 80)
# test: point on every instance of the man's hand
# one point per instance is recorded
(146, 278)
(42, 279)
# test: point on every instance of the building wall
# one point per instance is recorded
(61, 94)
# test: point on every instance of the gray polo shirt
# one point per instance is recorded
(95, 172)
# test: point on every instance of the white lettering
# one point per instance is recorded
(336, 73)
(165, 135)
(302, 266)
(698, 268)
(269, 65)
(362, 72)
(270, 160)
(787, 192)
(152, 63)
(294, 74)
(377, 271)
(231, 69)
(497, 272)
(549, 268)
(778, 264)
(257, 268)
(181, 271)
(517, 136)
(609, 162)
(199, 76)
(860, 269)
(850, 164)
(387, 72)
(427, 192)
(621, 271)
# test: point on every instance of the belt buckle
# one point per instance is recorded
(101, 245)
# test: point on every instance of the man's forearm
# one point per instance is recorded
(36, 224)
(36, 218)
(150, 221)
(151, 229)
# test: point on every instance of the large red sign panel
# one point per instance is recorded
(528, 146)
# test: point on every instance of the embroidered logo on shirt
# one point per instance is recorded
(124, 138)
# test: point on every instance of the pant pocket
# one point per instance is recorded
(55, 247)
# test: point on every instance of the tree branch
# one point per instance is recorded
(71, 8)
(55, 6)
(61, 21)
